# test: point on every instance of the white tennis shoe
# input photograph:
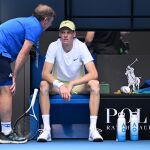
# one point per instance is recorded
(94, 136)
(45, 136)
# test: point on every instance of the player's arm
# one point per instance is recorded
(91, 75)
(22, 56)
(89, 37)
(20, 61)
(47, 76)
(46, 72)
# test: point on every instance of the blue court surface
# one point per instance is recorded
(79, 144)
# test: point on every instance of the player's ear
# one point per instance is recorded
(59, 33)
(74, 34)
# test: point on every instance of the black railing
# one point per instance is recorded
(69, 15)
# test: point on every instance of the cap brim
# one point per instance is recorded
(62, 28)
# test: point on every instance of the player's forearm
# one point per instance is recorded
(48, 77)
(20, 61)
(51, 80)
(86, 78)
(89, 38)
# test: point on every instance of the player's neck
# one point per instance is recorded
(67, 47)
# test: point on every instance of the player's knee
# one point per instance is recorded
(94, 86)
(44, 87)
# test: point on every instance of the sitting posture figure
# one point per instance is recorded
(63, 73)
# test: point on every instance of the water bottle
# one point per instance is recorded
(121, 127)
(134, 126)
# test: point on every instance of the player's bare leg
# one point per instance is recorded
(45, 110)
(93, 88)
(7, 135)
(94, 135)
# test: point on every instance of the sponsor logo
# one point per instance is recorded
(112, 115)
(10, 75)
(75, 59)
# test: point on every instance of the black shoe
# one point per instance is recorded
(11, 138)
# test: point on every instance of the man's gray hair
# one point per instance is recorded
(43, 11)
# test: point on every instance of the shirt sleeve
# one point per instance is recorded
(51, 54)
(33, 33)
(86, 55)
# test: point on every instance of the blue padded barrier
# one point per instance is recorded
(70, 119)
(74, 111)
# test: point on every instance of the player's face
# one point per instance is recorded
(67, 36)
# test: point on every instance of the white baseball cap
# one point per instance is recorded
(68, 24)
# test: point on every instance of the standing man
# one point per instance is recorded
(63, 73)
(17, 36)
(106, 42)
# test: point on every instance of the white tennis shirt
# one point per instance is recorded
(70, 65)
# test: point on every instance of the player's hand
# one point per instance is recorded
(13, 86)
(65, 93)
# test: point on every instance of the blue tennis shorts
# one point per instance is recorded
(5, 71)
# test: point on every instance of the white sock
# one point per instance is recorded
(46, 121)
(6, 127)
(93, 121)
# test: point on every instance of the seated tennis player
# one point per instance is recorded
(63, 73)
